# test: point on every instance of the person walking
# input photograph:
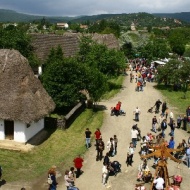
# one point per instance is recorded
(115, 143)
(179, 121)
(52, 175)
(171, 116)
(100, 149)
(163, 127)
(154, 123)
(164, 107)
(110, 147)
(97, 135)
(188, 156)
(72, 175)
(78, 165)
(171, 144)
(130, 154)
(159, 183)
(105, 173)
(157, 104)
(134, 135)
(184, 122)
(188, 111)
(172, 127)
(131, 77)
(137, 113)
(88, 137)
(68, 181)
(106, 159)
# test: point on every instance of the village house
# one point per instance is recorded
(62, 25)
(23, 101)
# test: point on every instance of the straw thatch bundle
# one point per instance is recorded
(22, 96)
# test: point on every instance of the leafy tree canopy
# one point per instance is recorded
(107, 61)
(16, 38)
(64, 78)
(155, 49)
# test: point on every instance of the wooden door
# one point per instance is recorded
(9, 129)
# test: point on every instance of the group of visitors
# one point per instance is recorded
(143, 74)
(146, 142)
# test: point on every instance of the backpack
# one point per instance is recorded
(49, 181)
(162, 125)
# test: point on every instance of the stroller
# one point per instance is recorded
(114, 168)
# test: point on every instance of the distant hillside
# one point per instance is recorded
(185, 16)
(13, 16)
(140, 19)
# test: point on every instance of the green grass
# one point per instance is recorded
(175, 98)
(59, 149)
(115, 86)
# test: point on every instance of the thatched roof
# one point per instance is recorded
(22, 96)
(69, 43)
(43, 43)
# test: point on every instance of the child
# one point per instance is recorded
(115, 143)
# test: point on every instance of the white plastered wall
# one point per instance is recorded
(22, 133)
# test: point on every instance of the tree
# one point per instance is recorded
(169, 73)
(128, 49)
(16, 38)
(184, 72)
(176, 73)
(177, 42)
(98, 56)
(64, 79)
(157, 48)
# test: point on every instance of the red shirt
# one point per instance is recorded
(118, 106)
(78, 162)
(97, 134)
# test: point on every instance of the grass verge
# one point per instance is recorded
(175, 98)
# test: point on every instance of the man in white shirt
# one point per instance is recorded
(134, 134)
(159, 183)
(137, 113)
(105, 174)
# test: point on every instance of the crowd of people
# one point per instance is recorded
(149, 140)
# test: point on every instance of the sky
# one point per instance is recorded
(94, 7)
